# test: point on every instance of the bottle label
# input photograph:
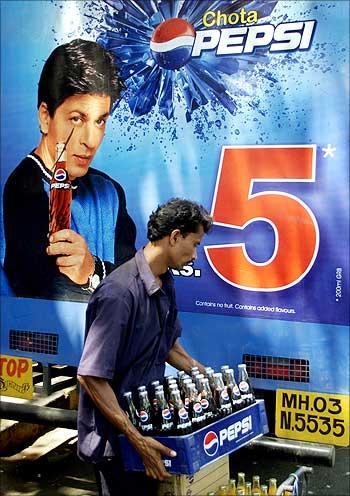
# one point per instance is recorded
(183, 414)
(166, 414)
(224, 395)
(197, 408)
(235, 391)
(205, 404)
(60, 174)
(143, 416)
(243, 386)
(187, 403)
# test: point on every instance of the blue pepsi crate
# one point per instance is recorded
(202, 447)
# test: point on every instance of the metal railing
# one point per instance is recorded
(296, 483)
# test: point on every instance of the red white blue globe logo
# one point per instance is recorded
(183, 414)
(171, 43)
(60, 175)
(224, 395)
(166, 414)
(143, 416)
(211, 443)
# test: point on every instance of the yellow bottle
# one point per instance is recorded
(231, 490)
(241, 483)
(263, 488)
(248, 489)
(256, 485)
(272, 487)
(222, 491)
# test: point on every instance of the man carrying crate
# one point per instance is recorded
(132, 329)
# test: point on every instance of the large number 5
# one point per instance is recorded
(294, 224)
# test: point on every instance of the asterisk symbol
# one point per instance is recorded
(329, 151)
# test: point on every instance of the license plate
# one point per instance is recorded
(16, 377)
(316, 417)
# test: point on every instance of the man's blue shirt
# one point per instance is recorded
(131, 324)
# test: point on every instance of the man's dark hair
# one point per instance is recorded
(185, 215)
(77, 68)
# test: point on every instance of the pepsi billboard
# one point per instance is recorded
(226, 103)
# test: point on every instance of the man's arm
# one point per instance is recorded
(149, 449)
(181, 360)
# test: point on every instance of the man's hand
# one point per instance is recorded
(151, 451)
(73, 256)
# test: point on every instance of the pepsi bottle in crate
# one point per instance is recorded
(207, 401)
(163, 419)
(131, 409)
(154, 400)
(182, 422)
(172, 387)
(145, 414)
(185, 394)
(195, 411)
(222, 398)
(169, 381)
(209, 372)
(244, 385)
(197, 380)
(233, 390)
(180, 375)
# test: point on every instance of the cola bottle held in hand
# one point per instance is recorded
(60, 193)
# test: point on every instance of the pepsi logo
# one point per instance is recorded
(197, 408)
(143, 416)
(171, 43)
(211, 443)
(204, 403)
(235, 391)
(224, 395)
(166, 414)
(183, 414)
(243, 386)
(60, 175)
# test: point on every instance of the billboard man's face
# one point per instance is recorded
(88, 115)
